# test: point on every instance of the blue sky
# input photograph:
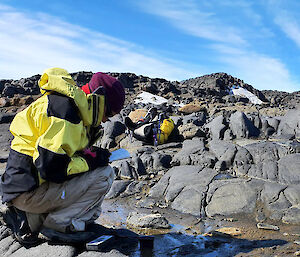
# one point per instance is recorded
(257, 41)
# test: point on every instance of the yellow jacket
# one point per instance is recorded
(49, 133)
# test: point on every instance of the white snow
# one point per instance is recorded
(146, 98)
(245, 93)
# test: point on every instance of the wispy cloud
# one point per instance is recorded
(290, 26)
(259, 70)
(187, 16)
(30, 44)
(232, 37)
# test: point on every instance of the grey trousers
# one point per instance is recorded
(69, 205)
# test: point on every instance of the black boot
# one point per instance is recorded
(16, 220)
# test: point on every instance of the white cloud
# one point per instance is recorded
(230, 38)
(187, 16)
(262, 72)
(30, 44)
(290, 27)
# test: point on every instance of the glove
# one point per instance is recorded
(96, 157)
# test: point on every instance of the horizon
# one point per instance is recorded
(257, 42)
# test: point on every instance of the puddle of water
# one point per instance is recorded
(176, 241)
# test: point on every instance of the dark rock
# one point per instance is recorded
(241, 126)
(117, 188)
(7, 117)
(289, 169)
(228, 197)
(217, 127)
(185, 187)
(289, 124)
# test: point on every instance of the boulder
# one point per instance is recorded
(230, 197)
(290, 123)
(217, 127)
(241, 126)
(184, 187)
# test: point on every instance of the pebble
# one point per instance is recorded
(297, 253)
(297, 242)
(267, 226)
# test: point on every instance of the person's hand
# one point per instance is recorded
(96, 157)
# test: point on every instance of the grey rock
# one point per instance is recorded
(273, 122)
(195, 118)
(230, 197)
(290, 123)
(134, 187)
(154, 221)
(292, 216)
(242, 162)
(217, 127)
(225, 152)
(292, 193)
(271, 191)
(43, 250)
(241, 126)
(289, 169)
(126, 171)
(185, 187)
(147, 203)
(190, 147)
(138, 166)
(117, 188)
(278, 207)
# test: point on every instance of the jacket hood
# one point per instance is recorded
(91, 107)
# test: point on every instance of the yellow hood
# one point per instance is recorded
(60, 81)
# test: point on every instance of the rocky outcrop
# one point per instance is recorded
(227, 157)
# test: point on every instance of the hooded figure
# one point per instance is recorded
(53, 181)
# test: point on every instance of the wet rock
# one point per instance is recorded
(154, 221)
(267, 226)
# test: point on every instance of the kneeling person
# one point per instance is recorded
(54, 179)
